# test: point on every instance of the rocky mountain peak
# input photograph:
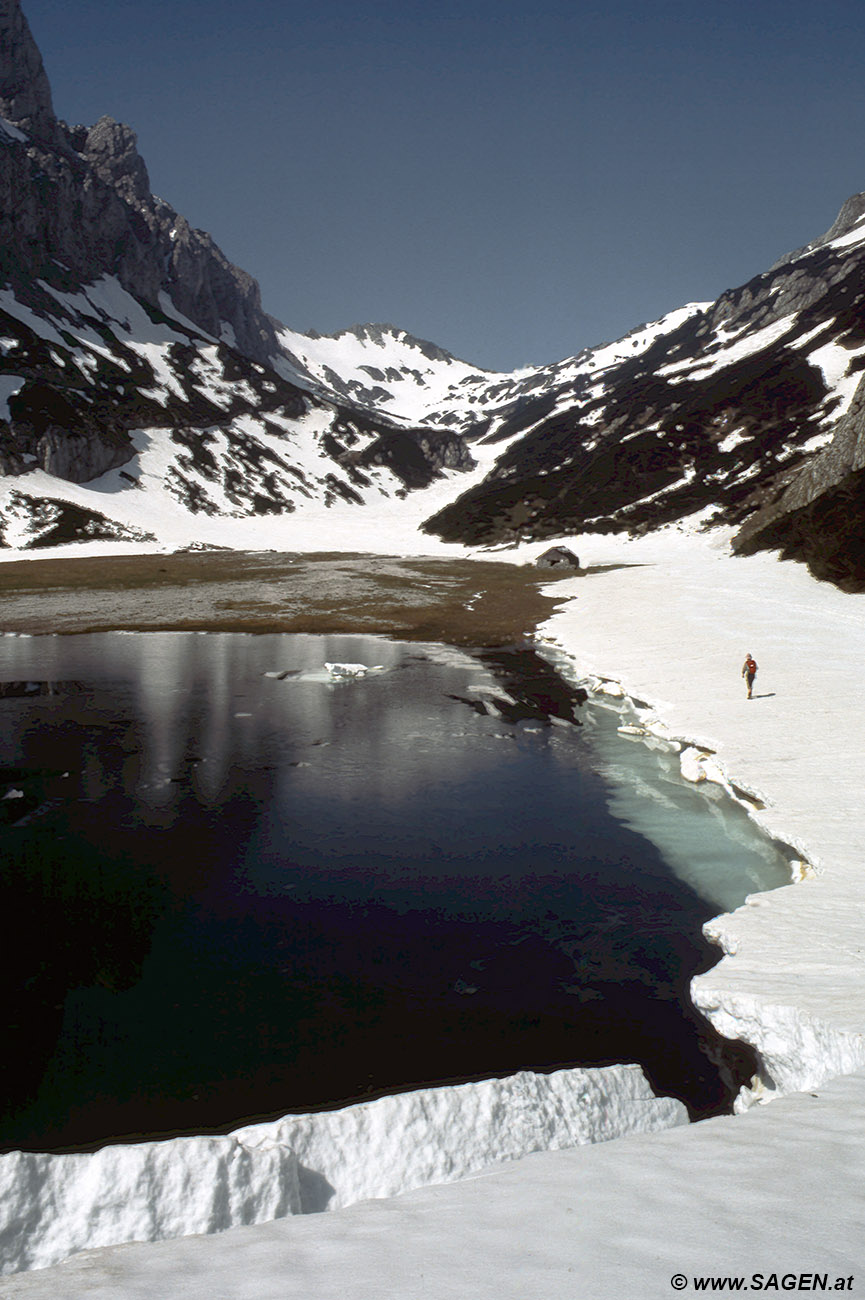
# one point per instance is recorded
(79, 197)
(851, 213)
(25, 94)
(112, 150)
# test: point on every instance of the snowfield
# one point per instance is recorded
(774, 1191)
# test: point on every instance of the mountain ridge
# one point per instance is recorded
(745, 412)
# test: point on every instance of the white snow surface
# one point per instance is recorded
(410, 383)
(55, 1205)
(11, 131)
(793, 982)
(775, 1192)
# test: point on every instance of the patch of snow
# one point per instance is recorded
(352, 670)
(38, 324)
(108, 301)
(733, 439)
(855, 235)
(727, 350)
(840, 376)
(12, 131)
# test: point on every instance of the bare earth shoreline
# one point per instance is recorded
(462, 602)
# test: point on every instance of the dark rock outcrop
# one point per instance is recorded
(818, 513)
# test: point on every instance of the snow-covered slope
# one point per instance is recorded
(385, 369)
(129, 422)
(725, 405)
(768, 1202)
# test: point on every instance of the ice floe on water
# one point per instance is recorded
(348, 671)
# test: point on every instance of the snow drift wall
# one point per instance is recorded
(54, 1206)
(58, 1205)
(436, 1135)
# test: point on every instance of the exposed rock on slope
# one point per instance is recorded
(819, 514)
(711, 413)
(25, 94)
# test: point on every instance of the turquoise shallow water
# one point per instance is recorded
(246, 886)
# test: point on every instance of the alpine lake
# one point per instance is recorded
(287, 832)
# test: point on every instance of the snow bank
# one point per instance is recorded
(57, 1205)
(776, 1192)
(436, 1135)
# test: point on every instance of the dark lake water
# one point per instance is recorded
(238, 887)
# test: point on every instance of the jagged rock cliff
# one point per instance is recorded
(75, 203)
(818, 513)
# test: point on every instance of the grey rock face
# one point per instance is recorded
(82, 196)
(112, 151)
(817, 514)
(78, 457)
(25, 95)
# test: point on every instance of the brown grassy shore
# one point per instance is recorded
(462, 602)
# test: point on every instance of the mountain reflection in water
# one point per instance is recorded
(244, 888)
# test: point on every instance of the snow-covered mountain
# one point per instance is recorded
(711, 412)
(746, 411)
(388, 371)
(143, 390)
(126, 421)
(145, 393)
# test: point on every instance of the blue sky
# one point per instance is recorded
(513, 181)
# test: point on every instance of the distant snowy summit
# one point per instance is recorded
(145, 393)
(386, 369)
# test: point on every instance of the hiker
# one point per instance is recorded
(749, 671)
